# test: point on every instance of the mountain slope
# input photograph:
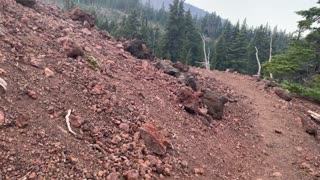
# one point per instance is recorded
(113, 95)
(157, 4)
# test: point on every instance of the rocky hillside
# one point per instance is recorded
(74, 104)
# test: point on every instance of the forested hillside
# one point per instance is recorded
(298, 68)
(175, 34)
(158, 4)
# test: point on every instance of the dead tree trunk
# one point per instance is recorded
(270, 55)
(258, 61)
(206, 62)
(315, 116)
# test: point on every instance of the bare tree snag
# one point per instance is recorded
(258, 61)
(206, 62)
(270, 55)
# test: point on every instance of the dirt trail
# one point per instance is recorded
(286, 150)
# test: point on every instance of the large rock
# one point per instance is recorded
(181, 67)
(190, 101)
(167, 67)
(70, 46)
(131, 175)
(78, 14)
(269, 84)
(27, 3)
(214, 104)
(283, 94)
(105, 34)
(72, 49)
(138, 49)
(178, 70)
(188, 79)
(153, 139)
(113, 176)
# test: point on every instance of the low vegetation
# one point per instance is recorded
(298, 68)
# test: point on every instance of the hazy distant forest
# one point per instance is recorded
(174, 34)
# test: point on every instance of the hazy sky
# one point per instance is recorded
(274, 12)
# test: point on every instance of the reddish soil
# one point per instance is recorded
(113, 95)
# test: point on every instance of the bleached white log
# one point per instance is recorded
(68, 122)
(314, 115)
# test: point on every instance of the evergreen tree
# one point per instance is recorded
(293, 65)
(222, 45)
(311, 17)
(239, 49)
(191, 51)
(174, 32)
(298, 67)
(132, 26)
(233, 49)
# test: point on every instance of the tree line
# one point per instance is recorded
(298, 68)
(175, 34)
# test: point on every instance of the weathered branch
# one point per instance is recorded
(258, 61)
(68, 122)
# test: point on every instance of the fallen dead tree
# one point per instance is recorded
(68, 122)
(315, 116)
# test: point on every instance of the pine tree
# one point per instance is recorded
(175, 34)
(294, 64)
(222, 47)
(311, 17)
(132, 26)
(191, 50)
(174, 31)
(220, 53)
(239, 49)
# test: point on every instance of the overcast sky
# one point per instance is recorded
(274, 12)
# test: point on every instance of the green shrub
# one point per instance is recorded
(310, 92)
(94, 63)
